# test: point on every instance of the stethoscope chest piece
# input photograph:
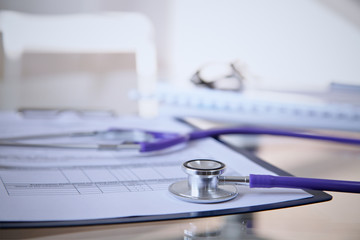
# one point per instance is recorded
(202, 184)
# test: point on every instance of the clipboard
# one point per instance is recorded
(316, 196)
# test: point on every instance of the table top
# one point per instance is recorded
(335, 219)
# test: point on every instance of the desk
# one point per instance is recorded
(337, 219)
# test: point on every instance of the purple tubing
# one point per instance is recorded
(165, 140)
(253, 130)
(163, 143)
(268, 181)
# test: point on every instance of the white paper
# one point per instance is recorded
(59, 185)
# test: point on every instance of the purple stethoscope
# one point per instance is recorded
(204, 184)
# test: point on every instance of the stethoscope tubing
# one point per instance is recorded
(268, 131)
(165, 140)
(200, 134)
(269, 181)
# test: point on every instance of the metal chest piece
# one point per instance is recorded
(202, 184)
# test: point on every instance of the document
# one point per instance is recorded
(43, 184)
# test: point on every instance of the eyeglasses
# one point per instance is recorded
(219, 76)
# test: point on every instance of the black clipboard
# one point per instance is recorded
(317, 196)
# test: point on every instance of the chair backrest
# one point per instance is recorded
(76, 33)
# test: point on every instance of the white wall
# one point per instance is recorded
(303, 44)
(157, 10)
(292, 44)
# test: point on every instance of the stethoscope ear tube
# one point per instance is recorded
(268, 181)
(163, 143)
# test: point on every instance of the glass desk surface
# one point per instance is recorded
(335, 219)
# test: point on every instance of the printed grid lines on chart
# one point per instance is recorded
(89, 179)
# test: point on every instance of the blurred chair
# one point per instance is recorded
(100, 33)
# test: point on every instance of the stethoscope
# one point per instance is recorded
(116, 139)
(206, 185)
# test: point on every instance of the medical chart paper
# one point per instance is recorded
(67, 185)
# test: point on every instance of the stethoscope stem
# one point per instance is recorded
(237, 180)
(269, 181)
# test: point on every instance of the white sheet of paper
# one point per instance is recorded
(60, 185)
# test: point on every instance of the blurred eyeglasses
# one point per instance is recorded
(219, 76)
